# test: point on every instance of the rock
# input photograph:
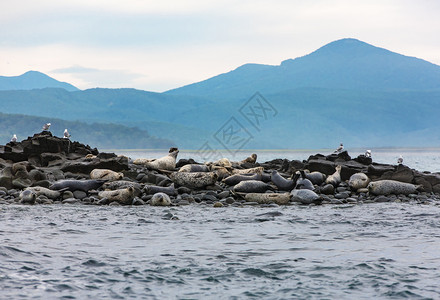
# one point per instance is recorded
(79, 194)
(218, 204)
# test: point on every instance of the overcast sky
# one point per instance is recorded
(159, 45)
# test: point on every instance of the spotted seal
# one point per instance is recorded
(194, 179)
(105, 174)
(257, 170)
(282, 183)
(77, 185)
(335, 178)
(160, 199)
(249, 160)
(123, 196)
(121, 184)
(358, 181)
(234, 179)
(264, 198)
(28, 197)
(305, 196)
(194, 168)
(252, 186)
(164, 163)
(386, 187)
(38, 190)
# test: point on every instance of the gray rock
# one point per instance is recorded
(79, 194)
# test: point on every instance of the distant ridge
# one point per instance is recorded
(33, 80)
(342, 64)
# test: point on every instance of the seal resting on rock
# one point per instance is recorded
(252, 186)
(160, 199)
(315, 177)
(234, 179)
(305, 196)
(121, 184)
(257, 170)
(28, 196)
(164, 163)
(106, 174)
(282, 183)
(194, 168)
(38, 190)
(358, 181)
(153, 189)
(250, 160)
(301, 181)
(386, 187)
(264, 198)
(335, 178)
(194, 179)
(123, 196)
(77, 185)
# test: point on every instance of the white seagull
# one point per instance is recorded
(66, 134)
(368, 153)
(14, 138)
(46, 126)
(400, 160)
(340, 148)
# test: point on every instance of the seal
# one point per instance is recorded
(335, 178)
(257, 170)
(194, 168)
(223, 162)
(221, 172)
(123, 196)
(160, 199)
(164, 163)
(301, 181)
(38, 190)
(282, 183)
(77, 185)
(358, 181)
(305, 196)
(105, 174)
(252, 186)
(386, 187)
(28, 197)
(194, 179)
(153, 189)
(264, 198)
(315, 177)
(121, 184)
(237, 178)
(249, 160)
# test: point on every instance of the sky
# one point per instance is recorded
(160, 45)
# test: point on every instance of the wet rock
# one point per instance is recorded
(79, 194)
(218, 204)
(380, 199)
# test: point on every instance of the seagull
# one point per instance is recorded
(400, 160)
(14, 138)
(340, 148)
(46, 126)
(368, 153)
(66, 134)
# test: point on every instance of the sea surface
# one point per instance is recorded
(364, 251)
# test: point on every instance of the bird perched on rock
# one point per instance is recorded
(14, 138)
(400, 160)
(340, 149)
(368, 153)
(46, 126)
(66, 134)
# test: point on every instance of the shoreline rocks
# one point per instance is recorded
(45, 169)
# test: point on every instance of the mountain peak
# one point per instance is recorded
(33, 80)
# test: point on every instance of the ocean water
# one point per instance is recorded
(364, 251)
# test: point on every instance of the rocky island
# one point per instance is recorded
(45, 169)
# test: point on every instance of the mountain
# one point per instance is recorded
(102, 136)
(32, 80)
(343, 64)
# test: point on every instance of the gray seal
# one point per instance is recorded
(194, 168)
(153, 189)
(160, 199)
(386, 187)
(77, 185)
(194, 179)
(282, 183)
(316, 177)
(301, 181)
(237, 178)
(252, 186)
